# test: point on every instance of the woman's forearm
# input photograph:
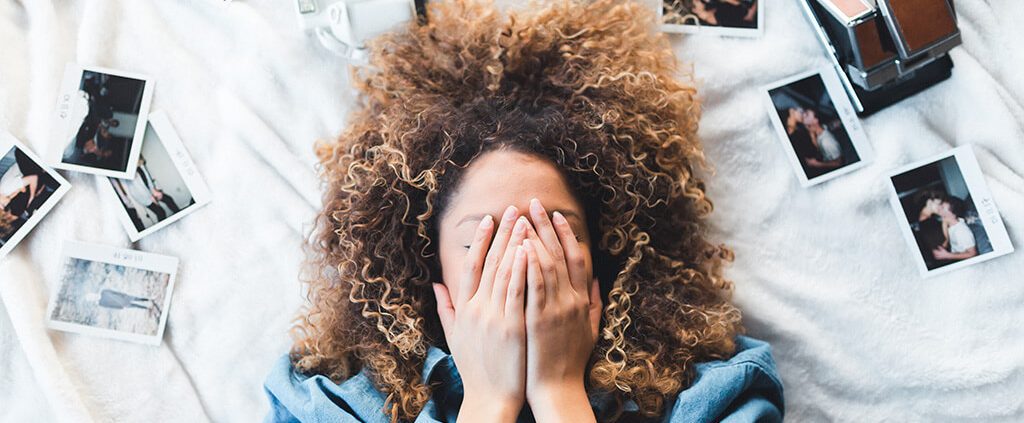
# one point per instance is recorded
(477, 409)
(562, 404)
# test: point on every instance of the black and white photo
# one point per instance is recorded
(112, 292)
(946, 213)
(100, 121)
(166, 185)
(817, 125)
(28, 190)
(738, 18)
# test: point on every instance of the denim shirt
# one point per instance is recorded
(745, 388)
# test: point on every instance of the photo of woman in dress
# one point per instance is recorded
(813, 126)
(941, 213)
(24, 187)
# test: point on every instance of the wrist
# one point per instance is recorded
(560, 402)
(476, 407)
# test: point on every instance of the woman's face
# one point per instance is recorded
(796, 114)
(490, 184)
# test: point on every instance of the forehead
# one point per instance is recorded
(498, 179)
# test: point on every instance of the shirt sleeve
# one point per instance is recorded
(295, 398)
(298, 398)
(746, 388)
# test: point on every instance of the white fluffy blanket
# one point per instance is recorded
(822, 273)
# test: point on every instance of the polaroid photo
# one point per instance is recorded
(28, 191)
(100, 121)
(817, 126)
(113, 292)
(734, 18)
(166, 185)
(946, 212)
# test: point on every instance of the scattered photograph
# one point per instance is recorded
(101, 121)
(946, 213)
(817, 125)
(28, 190)
(113, 292)
(166, 186)
(738, 18)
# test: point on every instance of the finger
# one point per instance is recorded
(574, 259)
(517, 285)
(547, 267)
(445, 310)
(504, 272)
(536, 292)
(497, 251)
(546, 230)
(474, 262)
(596, 308)
(551, 245)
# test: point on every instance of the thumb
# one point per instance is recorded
(445, 311)
(596, 308)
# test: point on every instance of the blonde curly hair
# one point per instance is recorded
(590, 86)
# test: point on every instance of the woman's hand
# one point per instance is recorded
(940, 253)
(563, 310)
(485, 325)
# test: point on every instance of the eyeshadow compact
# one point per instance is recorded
(886, 50)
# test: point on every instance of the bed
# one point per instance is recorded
(822, 273)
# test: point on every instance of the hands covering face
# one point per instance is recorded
(526, 316)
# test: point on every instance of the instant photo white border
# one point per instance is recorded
(65, 126)
(983, 202)
(121, 257)
(697, 28)
(7, 141)
(182, 163)
(847, 114)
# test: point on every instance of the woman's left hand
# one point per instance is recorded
(563, 311)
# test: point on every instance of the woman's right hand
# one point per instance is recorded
(485, 325)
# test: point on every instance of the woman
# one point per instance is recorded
(117, 300)
(928, 228)
(512, 230)
(23, 187)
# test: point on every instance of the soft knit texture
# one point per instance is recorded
(823, 273)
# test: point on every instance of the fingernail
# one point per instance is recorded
(520, 225)
(535, 206)
(486, 222)
(558, 218)
(510, 213)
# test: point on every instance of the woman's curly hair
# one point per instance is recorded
(591, 87)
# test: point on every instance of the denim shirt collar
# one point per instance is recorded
(439, 370)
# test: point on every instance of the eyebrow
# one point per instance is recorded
(478, 216)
